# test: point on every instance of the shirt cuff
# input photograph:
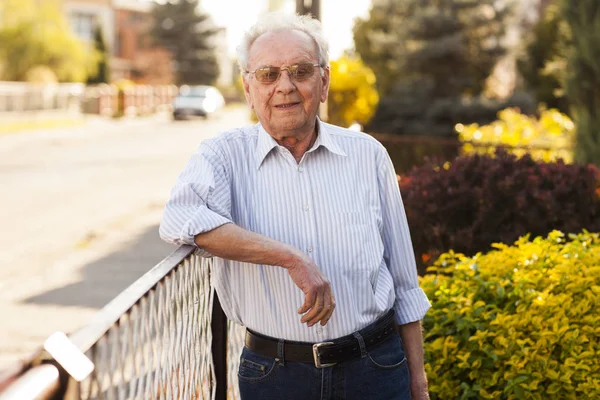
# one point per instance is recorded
(411, 306)
(204, 220)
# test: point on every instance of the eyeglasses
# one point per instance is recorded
(297, 72)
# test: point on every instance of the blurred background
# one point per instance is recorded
(103, 101)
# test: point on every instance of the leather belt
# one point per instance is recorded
(324, 354)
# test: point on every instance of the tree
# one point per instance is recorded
(352, 95)
(543, 64)
(38, 36)
(583, 81)
(188, 34)
(102, 74)
(432, 59)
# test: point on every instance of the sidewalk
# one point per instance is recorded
(63, 301)
(15, 123)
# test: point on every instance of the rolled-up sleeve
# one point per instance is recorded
(411, 301)
(200, 201)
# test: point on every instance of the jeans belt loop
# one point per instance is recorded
(361, 343)
(281, 352)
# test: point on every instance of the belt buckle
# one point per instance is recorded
(317, 356)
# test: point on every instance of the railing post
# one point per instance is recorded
(218, 327)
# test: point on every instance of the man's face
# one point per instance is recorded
(286, 107)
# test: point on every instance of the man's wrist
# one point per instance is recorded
(289, 257)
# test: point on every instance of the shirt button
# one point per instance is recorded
(300, 169)
(310, 249)
(305, 208)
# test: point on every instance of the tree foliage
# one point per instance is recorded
(431, 60)
(34, 35)
(102, 74)
(583, 81)
(188, 34)
(543, 64)
(352, 93)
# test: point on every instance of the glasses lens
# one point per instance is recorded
(302, 71)
(267, 74)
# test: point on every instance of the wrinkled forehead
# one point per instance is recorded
(282, 48)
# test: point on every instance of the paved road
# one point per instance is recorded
(79, 210)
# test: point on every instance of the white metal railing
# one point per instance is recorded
(153, 341)
(24, 97)
(103, 99)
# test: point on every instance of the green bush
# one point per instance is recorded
(519, 322)
(478, 200)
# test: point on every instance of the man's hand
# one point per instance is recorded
(419, 389)
(319, 302)
(234, 243)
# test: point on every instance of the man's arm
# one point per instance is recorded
(198, 212)
(412, 338)
(231, 242)
(411, 302)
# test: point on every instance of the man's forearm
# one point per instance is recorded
(231, 242)
(234, 243)
(412, 338)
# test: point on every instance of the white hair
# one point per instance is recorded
(278, 21)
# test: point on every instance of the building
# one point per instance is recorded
(126, 27)
(135, 57)
(85, 15)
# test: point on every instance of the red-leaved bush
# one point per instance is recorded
(478, 200)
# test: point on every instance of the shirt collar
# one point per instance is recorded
(326, 140)
(266, 143)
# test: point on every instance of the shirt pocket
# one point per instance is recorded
(350, 218)
(357, 243)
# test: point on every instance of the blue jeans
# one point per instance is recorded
(380, 374)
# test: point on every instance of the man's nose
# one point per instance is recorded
(285, 83)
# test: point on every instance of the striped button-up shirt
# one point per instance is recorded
(340, 205)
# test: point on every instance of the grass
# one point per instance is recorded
(12, 127)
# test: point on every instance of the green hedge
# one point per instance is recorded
(520, 322)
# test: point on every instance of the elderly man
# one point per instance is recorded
(305, 218)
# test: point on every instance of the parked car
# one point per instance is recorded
(197, 101)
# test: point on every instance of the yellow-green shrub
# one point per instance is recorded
(519, 322)
(548, 138)
(352, 93)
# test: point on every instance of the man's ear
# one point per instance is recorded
(247, 91)
(325, 78)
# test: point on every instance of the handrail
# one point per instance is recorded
(18, 369)
(161, 318)
(41, 382)
(112, 312)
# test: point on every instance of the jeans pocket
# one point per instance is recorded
(255, 367)
(388, 355)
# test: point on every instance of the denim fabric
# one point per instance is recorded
(381, 374)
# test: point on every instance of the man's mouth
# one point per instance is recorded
(286, 105)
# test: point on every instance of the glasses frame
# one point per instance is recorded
(281, 69)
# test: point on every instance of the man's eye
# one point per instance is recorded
(267, 73)
(302, 71)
